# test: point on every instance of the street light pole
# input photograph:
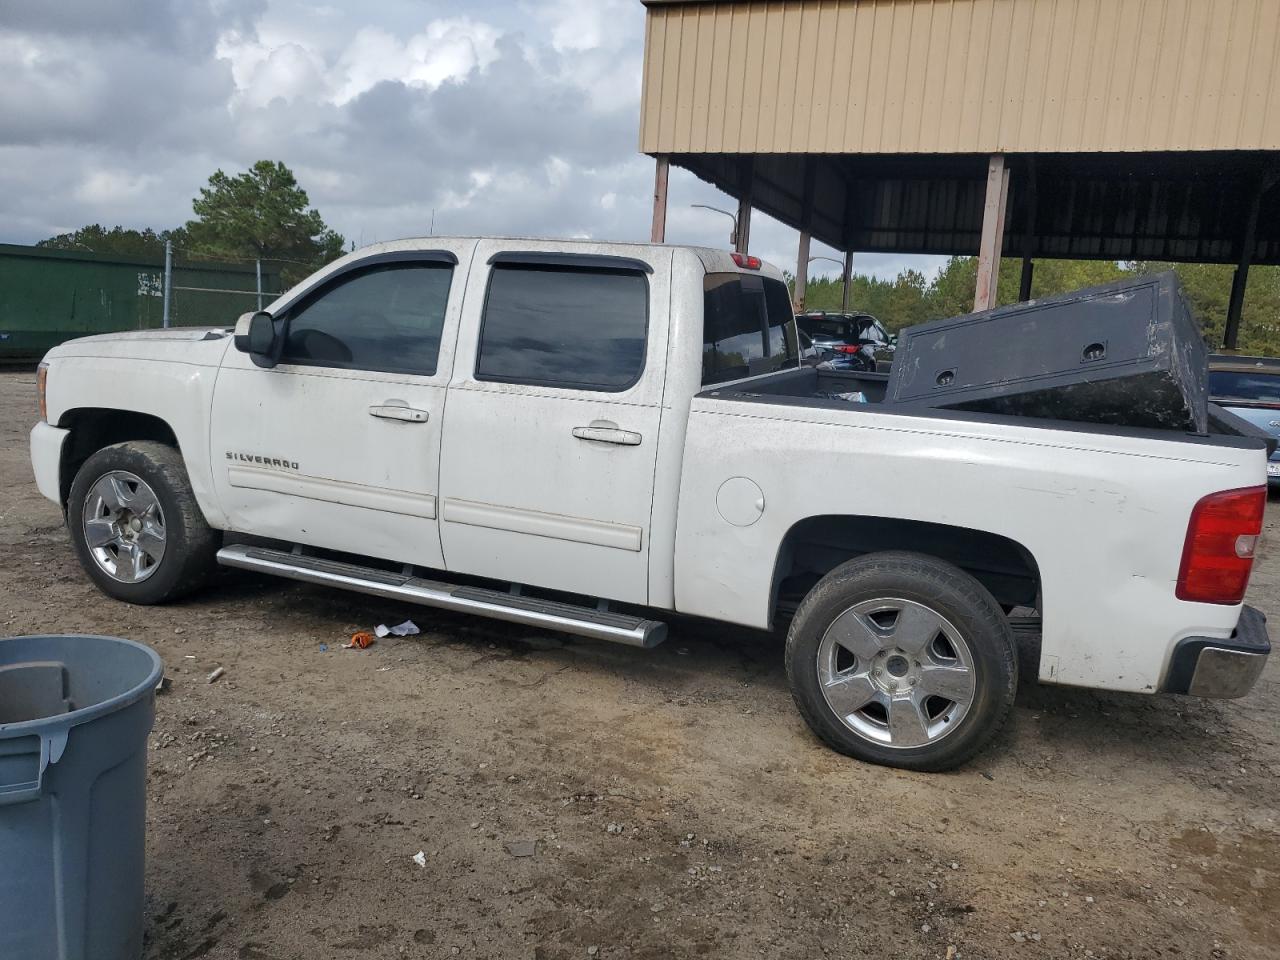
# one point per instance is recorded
(800, 287)
(733, 237)
(829, 259)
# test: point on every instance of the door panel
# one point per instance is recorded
(545, 484)
(297, 457)
(525, 500)
(337, 456)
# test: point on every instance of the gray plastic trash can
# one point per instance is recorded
(75, 713)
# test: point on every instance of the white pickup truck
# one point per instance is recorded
(580, 436)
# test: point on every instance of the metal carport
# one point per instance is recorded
(1091, 129)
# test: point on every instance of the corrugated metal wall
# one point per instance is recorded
(956, 76)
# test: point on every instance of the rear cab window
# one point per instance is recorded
(748, 328)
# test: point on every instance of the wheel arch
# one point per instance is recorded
(93, 428)
(815, 545)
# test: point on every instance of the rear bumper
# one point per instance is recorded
(46, 459)
(1226, 669)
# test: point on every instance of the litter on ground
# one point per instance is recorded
(406, 629)
(359, 641)
(522, 848)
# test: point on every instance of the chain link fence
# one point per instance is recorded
(202, 291)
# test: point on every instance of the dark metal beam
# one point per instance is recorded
(1240, 279)
(1028, 233)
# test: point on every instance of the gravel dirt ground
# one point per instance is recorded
(574, 799)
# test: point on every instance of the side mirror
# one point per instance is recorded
(261, 339)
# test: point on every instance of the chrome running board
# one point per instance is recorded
(546, 614)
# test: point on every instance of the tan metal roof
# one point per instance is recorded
(961, 76)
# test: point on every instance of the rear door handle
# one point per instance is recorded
(399, 411)
(606, 431)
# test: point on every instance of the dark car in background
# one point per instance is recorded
(847, 340)
(1250, 388)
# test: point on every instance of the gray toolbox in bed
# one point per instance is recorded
(1128, 353)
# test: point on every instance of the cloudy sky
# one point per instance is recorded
(517, 117)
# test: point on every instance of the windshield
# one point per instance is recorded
(1242, 385)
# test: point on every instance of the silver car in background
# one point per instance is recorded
(1250, 388)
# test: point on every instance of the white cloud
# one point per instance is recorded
(577, 26)
(288, 72)
(445, 50)
(491, 117)
(558, 171)
(113, 186)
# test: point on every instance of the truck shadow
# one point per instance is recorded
(715, 659)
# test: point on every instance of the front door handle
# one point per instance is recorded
(393, 410)
(606, 431)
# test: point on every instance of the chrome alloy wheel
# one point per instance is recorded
(124, 526)
(896, 672)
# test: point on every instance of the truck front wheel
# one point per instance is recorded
(904, 660)
(135, 524)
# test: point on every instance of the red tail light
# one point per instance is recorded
(1221, 538)
(845, 348)
(742, 260)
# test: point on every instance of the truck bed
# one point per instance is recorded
(823, 388)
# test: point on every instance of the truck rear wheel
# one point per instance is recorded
(135, 524)
(904, 660)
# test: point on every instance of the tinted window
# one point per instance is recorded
(843, 329)
(747, 327)
(564, 326)
(829, 329)
(385, 318)
(1244, 386)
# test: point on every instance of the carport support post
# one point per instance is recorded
(846, 277)
(168, 281)
(806, 222)
(742, 236)
(1235, 306)
(992, 233)
(1028, 234)
(802, 271)
(658, 233)
(1024, 284)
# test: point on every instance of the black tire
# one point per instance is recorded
(947, 592)
(190, 543)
